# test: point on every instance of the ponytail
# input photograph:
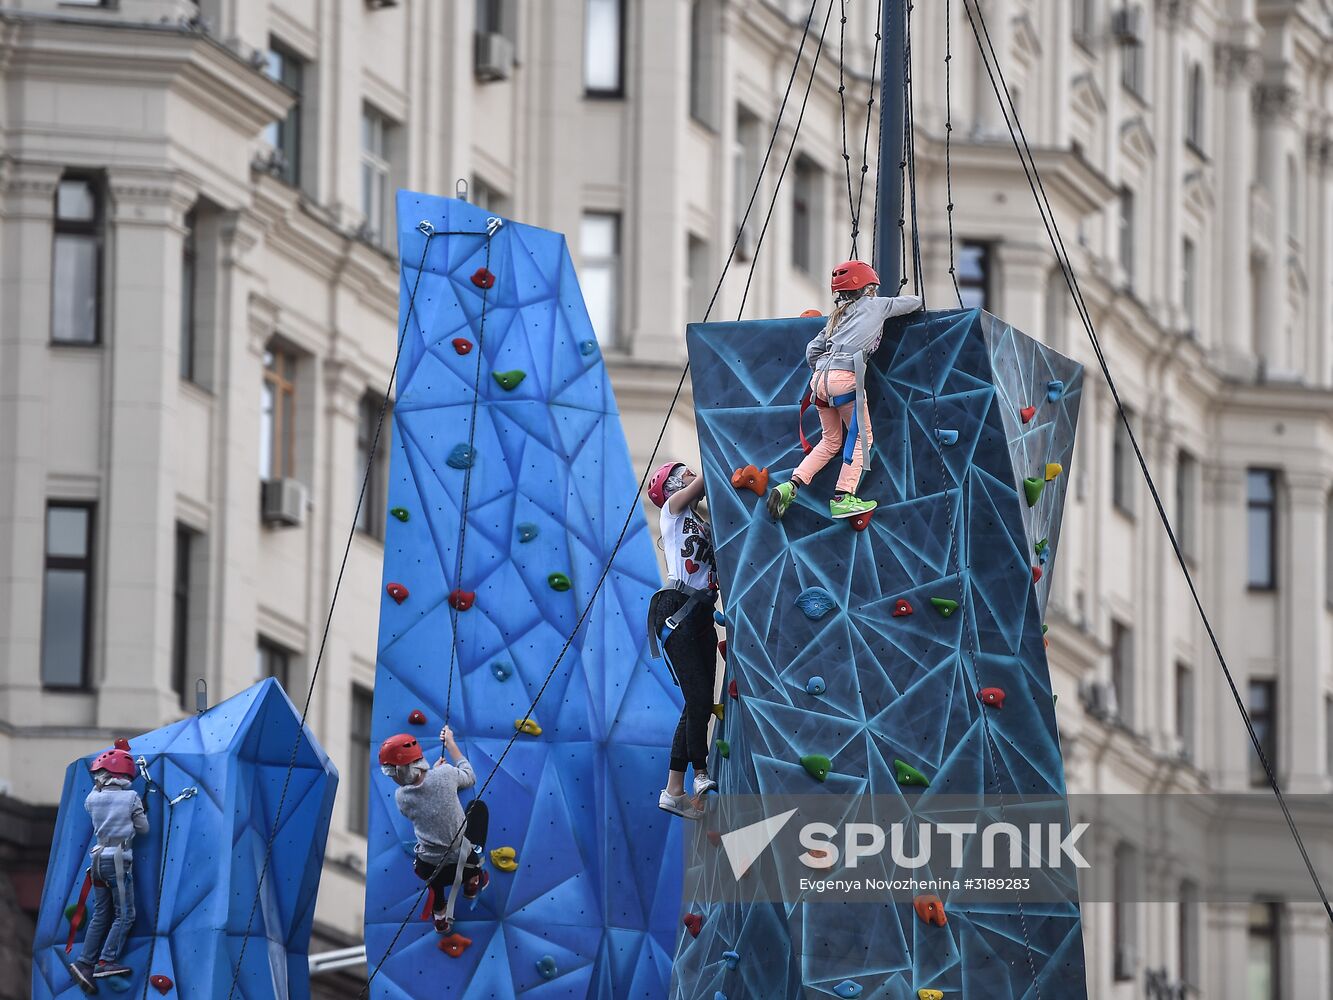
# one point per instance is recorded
(841, 305)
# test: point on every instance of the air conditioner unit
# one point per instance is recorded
(494, 57)
(1127, 25)
(282, 502)
(1098, 698)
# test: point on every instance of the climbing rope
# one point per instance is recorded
(865, 141)
(1000, 86)
(169, 810)
(948, 143)
(856, 200)
(909, 130)
(842, 102)
(632, 506)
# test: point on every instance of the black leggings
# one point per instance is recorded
(478, 822)
(692, 650)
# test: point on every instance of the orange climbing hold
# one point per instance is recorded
(694, 923)
(397, 591)
(752, 479)
(811, 314)
(931, 910)
(454, 945)
(461, 600)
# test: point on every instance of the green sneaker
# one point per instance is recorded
(779, 499)
(850, 506)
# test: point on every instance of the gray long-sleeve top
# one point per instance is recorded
(859, 329)
(434, 809)
(117, 813)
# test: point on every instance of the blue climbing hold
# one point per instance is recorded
(461, 457)
(587, 348)
(720, 619)
(527, 531)
(732, 958)
(847, 990)
(719, 995)
(947, 436)
(117, 984)
(1054, 390)
(547, 967)
(502, 670)
(815, 603)
(815, 685)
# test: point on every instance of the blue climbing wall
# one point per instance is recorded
(599, 872)
(964, 410)
(236, 755)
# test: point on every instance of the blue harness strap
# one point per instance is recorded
(853, 429)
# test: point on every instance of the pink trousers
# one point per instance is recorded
(834, 420)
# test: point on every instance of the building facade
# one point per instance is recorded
(198, 299)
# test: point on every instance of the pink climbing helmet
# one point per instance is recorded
(657, 485)
(114, 762)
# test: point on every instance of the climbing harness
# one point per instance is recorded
(855, 363)
(658, 634)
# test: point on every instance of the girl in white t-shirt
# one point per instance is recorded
(680, 618)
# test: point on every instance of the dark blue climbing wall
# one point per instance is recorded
(594, 898)
(236, 755)
(964, 410)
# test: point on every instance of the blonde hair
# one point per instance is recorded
(843, 303)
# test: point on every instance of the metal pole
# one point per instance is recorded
(889, 184)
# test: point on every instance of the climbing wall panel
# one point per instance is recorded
(938, 597)
(236, 756)
(590, 909)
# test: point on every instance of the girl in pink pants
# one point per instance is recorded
(837, 386)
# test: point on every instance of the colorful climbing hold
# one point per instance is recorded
(70, 910)
(694, 923)
(416, 718)
(811, 313)
(397, 591)
(719, 619)
(401, 513)
(1032, 487)
(815, 685)
(527, 531)
(1055, 388)
(817, 764)
(462, 457)
(947, 436)
(847, 990)
(901, 608)
(505, 858)
(122, 744)
(454, 945)
(732, 958)
(929, 995)
(752, 479)
(559, 581)
(944, 605)
(483, 278)
(724, 749)
(719, 995)
(1040, 546)
(815, 603)
(1036, 574)
(862, 520)
(722, 648)
(909, 776)
(547, 967)
(1044, 556)
(733, 689)
(1027, 413)
(502, 670)
(1045, 628)
(461, 600)
(528, 726)
(720, 710)
(1053, 469)
(161, 983)
(587, 347)
(510, 380)
(462, 345)
(931, 910)
(994, 697)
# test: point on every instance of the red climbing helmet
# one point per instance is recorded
(657, 485)
(852, 276)
(115, 762)
(399, 750)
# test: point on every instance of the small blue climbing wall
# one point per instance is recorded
(936, 600)
(590, 910)
(236, 756)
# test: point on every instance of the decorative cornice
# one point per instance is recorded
(1237, 63)
(1275, 100)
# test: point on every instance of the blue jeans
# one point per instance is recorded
(113, 913)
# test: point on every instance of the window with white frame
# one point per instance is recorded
(1126, 234)
(1185, 709)
(1122, 671)
(1189, 283)
(1195, 98)
(488, 197)
(704, 34)
(277, 413)
(376, 172)
(1124, 465)
(745, 172)
(1187, 502)
(372, 462)
(599, 274)
(807, 250)
(700, 278)
(603, 48)
(288, 69)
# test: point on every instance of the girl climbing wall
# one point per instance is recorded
(837, 387)
(680, 625)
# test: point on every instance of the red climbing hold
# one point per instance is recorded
(454, 945)
(1027, 413)
(732, 688)
(901, 609)
(483, 278)
(417, 718)
(993, 697)
(123, 744)
(693, 923)
(397, 591)
(859, 521)
(462, 345)
(752, 479)
(161, 983)
(1036, 573)
(722, 648)
(461, 600)
(931, 910)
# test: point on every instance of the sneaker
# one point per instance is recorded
(105, 969)
(443, 925)
(82, 974)
(850, 506)
(703, 784)
(473, 886)
(678, 805)
(779, 499)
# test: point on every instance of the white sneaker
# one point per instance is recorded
(678, 805)
(703, 784)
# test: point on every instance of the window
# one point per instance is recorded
(272, 660)
(1185, 710)
(371, 518)
(806, 224)
(496, 17)
(1189, 270)
(67, 588)
(599, 246)
(1083, 16)
(277, 414)
(1188, 931)
(604, 48)
(487, 197)
(745, 172)
(1293, 200)
(1328, 735)
(704, 32)
(1124, 913)
(1123, 466)
(1127, 235)
(1132, 60)
(1194, 110)
(1187, 502)
(1328, 551)
(1261, 500)
(1057, 309)
(180, 613)
(1122, 671)
(358, 807)
(76, 264)
(1263, 956)
(284, 136)
(189, 283)
(700, 279)
(375, 187)
(1263, 717)
(974, 275)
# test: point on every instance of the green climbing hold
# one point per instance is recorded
(400, 512)
(1040, 546)
(70, 910)
(724, 748)
(908, 775)
(1055, 700)
(509, 380)
(1045, 628)
(559, 581)
(1033, 486)
(944, 606)
(817, 764)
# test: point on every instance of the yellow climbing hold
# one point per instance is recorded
(929, 995)
(528, 726)
(1053, 469)
(505, 859)
(720, 711)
